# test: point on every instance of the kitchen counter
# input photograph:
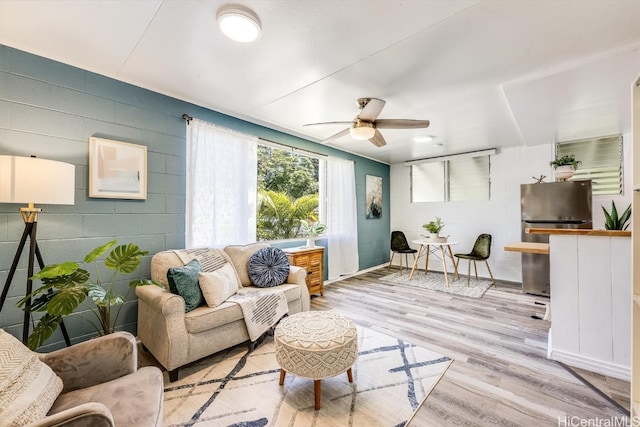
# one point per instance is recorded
(579, 232)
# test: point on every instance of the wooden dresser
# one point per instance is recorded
(312, 259)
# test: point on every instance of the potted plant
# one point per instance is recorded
(434, 227)
(311, 230)
(565, 166)
(66, 285)
(614, 222)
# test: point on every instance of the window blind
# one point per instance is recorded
(469, 178)
(601, 162)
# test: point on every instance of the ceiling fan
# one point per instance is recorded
(366, 124)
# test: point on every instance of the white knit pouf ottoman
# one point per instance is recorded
(316, 345)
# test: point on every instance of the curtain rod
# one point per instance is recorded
(188, 118)
(293, 149)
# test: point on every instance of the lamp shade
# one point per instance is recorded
(33, 180)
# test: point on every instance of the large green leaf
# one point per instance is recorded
(143, 282)
(57, 270)
(104, 298)
(94, 254)
(124, 258)
(66, 300)
(39, 303)
(43, 330)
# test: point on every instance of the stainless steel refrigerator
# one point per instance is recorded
(550, 205)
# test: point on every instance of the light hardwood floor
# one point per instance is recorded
(500, 375)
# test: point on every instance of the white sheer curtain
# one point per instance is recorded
(221, 186)
(342, 220)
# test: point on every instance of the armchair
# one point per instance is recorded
(101, 383)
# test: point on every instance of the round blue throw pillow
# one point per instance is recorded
(268, 267)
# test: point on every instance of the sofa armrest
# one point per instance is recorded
(95, 361)
(161, 325)
(298, 276)
(86, 414)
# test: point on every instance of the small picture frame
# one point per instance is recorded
(373, 197)
(117, 170)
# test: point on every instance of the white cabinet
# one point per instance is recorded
(591, 303)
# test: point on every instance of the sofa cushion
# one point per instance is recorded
(268, 267)
(240, 255)
(28, 387)
(183, 281)
(134, 400)
(205, 318)
(218, 285)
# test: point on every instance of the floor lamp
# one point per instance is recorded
(29, 180)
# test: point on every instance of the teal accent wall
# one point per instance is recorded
(50, 110)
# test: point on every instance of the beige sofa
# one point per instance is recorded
(176, 338)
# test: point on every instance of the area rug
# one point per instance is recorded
(435, 282)
(391, 379)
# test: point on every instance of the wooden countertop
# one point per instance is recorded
(579, 232)
(529, 247)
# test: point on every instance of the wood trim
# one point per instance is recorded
(579, 232)
(529, 247)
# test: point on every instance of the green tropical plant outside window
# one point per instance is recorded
(288, 192)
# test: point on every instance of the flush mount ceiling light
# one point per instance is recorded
(239, 23)
(362, 130)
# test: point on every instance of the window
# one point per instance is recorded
(457, 179)
(288, 191)
(601, 162)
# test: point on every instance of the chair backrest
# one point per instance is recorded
(482, 247)
(399, 241)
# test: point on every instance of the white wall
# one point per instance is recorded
(499, 216)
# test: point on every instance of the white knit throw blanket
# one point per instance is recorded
(261, 308)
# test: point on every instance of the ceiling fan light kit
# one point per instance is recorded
(362, 130)
(366, 124)
(239, 23)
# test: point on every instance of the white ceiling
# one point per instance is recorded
(486, 73)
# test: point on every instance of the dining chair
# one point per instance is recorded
(481, 252)
(400, 245)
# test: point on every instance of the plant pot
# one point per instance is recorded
(311, 242)
(564, 173)
(434, 236)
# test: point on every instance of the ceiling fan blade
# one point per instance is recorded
(371, 110)
(401, 124)
(330, 123)
(337, 135)
(378, 139)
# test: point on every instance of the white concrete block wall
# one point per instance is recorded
(499, 216)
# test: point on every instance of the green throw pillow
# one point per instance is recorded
(183, 281)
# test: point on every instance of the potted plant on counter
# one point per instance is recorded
(66, 285)
(565, 166)
(614, 222)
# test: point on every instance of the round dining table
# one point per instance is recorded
(441, 250)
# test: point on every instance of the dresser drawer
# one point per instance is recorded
(311, 259)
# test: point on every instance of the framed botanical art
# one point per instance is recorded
(117, 170)
(373, 197)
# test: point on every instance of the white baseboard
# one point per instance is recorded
(593, 365)
(329, 281)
